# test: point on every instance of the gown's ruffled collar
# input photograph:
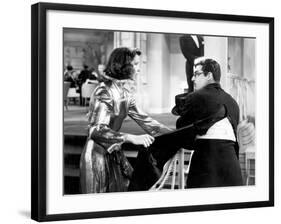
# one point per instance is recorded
(128, 85)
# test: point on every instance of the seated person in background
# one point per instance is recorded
(68, 76)
(92, 78)
(82, 78)
(93, 75)
(215, 159)
(84, 75)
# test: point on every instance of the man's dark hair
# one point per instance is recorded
(119, 65)
(209, 65)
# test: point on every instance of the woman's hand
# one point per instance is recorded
(145, 140)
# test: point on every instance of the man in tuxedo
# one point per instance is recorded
(207, 124)
(192, 46)
(215, 159)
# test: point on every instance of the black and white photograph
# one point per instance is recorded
(142, 112)
(157, 111)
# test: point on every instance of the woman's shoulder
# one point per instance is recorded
(103, 93)
(102, 89)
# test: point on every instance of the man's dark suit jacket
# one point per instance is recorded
(216, 159)
(214, 162)
(189, 48)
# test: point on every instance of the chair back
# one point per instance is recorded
(245, 135)
(66, 86)
(246, 140)
(175, 171)
(88, 89)
(72, 93)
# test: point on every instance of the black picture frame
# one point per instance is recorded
(39, 109)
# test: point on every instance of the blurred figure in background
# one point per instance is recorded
(92, 78)
(93, 74)
(84, 75)
(68, 76)
(192, 46)
(82, 78)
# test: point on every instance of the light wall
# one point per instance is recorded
(249, 59)
(242, 65)
(155, 71)
(216, 48)
(165, 72)
(178, 80)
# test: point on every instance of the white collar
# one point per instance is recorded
(195, 38)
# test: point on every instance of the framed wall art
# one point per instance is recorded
(140, 111)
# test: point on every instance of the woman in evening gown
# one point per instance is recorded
(103, 165)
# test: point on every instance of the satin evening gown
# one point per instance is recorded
(103, 165)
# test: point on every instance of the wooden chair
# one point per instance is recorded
(66, 86)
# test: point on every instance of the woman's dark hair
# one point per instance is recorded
(119, 65)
